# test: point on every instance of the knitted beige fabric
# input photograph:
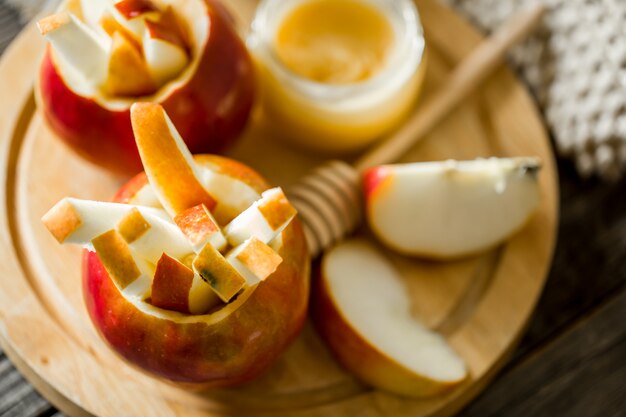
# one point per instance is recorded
(576, 67)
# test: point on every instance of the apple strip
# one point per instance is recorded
(254, 260)
(200, 228)
(235, 195)
(176, 287)
(116, 257)
(132, 14)
(127, 71)
(216, 271)
(78, 45)
(164, 51)
(93, 10)
(265, 219)
(149, 231)
(169, 165)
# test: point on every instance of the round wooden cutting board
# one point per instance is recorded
(480, 304)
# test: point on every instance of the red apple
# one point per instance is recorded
(209, 102)
(230, 345)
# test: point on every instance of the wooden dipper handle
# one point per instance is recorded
(328, 199)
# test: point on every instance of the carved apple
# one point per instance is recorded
(168, 285)
(105, 55)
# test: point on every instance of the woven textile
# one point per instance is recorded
(576, 67)
(575, 64)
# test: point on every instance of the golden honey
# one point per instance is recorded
(336, 75)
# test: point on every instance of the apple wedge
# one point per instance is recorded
(169, 165)
(450, 209)
(78, 45)
(363, 312)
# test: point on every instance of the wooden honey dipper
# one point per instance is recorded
(329, 199)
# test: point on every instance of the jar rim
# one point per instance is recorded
(398, 68)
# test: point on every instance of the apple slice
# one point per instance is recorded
(132, 14)
(164, 51)
(169, 165)
(264, 220)
(79, 221)
(254, 260)
(116, 257)
(94, 10)
(450, 209)
(127, 73)
(109, 25)
(176, 287)
(78, 45)
(363, 312)
(200, 228)
(133, 226)
(216, 271)
(171, 285)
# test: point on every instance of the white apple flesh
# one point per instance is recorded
(264, 220)
(363, 312)
(93, 10)
(165, 58)
(450, 209)
(77, 45)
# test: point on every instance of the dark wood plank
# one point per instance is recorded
(10, 25)
(580, 373)
(590, 258)
(17, 396)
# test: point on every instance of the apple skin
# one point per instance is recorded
(358, 356)
(209, 111)
(200, 355)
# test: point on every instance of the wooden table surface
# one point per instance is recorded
(572, 360)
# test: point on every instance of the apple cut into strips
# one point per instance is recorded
(78, 45)
(169, 165)
(363, 311)
(265, 219)
(450, 209)
(149, 230)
